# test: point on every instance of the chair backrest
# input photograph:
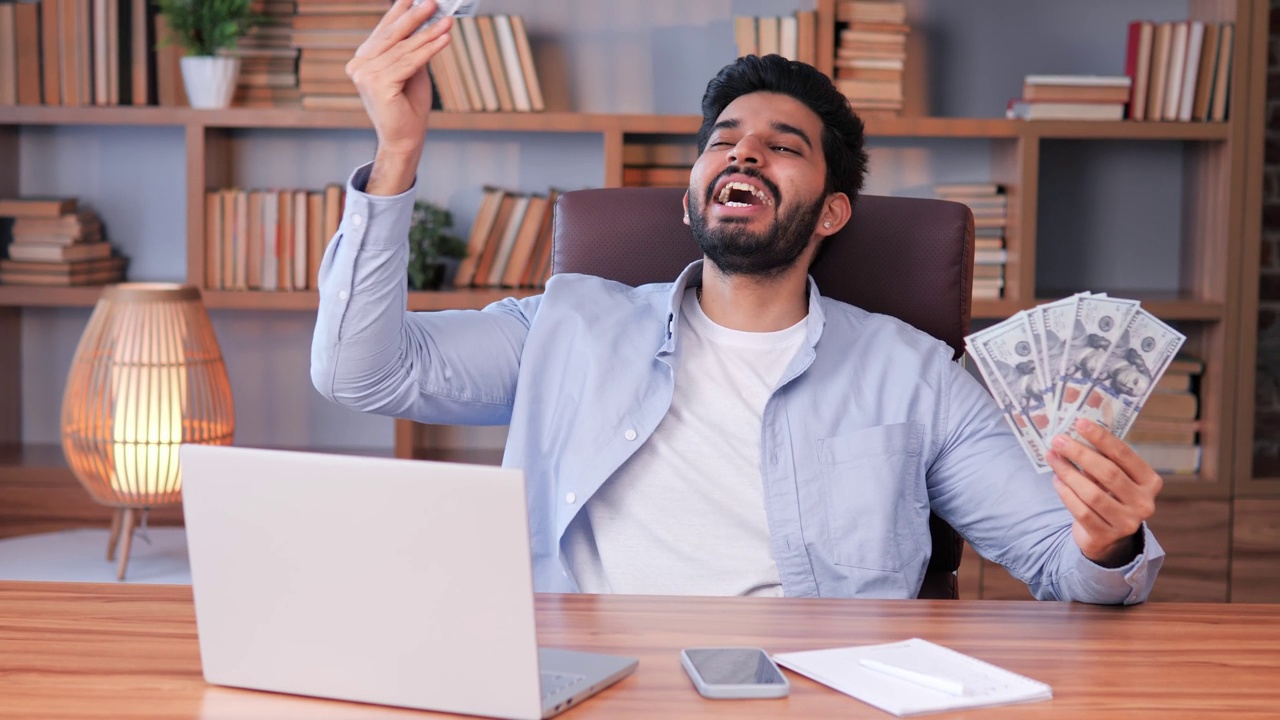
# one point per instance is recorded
(906, 257)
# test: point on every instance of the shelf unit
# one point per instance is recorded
(1220, 228)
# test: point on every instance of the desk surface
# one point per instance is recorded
(130, 651)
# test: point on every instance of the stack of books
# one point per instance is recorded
(268, 239)
(1071, 97)
(487, 67)
(510, 242)
(1181, 71)
(326, 34)
(871, 53)
(1166, 432)
(990, 208)
(268, 64)
(657, 164)
(56, 243)
(794, 37)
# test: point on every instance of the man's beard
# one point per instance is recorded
(735, 250)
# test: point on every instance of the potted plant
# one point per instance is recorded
(433, 252)
(208, 30)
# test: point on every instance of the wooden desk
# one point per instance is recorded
(130, 651)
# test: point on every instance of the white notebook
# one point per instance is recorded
(974, 683)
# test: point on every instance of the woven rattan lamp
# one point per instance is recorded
(147, 376)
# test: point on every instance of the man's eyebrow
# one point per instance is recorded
(793, 130)
(734, 124)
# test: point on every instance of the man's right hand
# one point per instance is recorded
(390, 72)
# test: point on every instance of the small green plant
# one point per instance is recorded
(203, 27)
(429, 243)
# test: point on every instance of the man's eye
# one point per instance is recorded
(718, 143)
(784, 148)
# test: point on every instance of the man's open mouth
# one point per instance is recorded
(741, 194)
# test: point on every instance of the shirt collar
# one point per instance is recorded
(691, 276)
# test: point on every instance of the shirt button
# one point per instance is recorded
(774, 458)
(357, 219)
(342, 295)
(630, 434)
(570, 498)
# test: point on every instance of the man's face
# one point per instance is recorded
(757, 192)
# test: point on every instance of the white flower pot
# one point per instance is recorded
(210, 80)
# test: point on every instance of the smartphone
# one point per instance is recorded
(734, 672)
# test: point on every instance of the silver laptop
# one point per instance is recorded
(396, 582)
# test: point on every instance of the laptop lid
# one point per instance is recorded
(377, 580)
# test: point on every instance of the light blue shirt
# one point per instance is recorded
(871, 426)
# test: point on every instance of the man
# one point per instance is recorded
(733, 432)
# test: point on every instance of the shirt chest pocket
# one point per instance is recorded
(874, 501)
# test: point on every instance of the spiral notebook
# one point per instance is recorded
(969, 682)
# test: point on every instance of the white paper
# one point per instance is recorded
(985, 684)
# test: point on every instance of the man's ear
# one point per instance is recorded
(835, 213)
(686, 207)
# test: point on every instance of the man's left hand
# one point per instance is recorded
(1110, 492)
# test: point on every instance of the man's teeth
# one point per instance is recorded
(755, 192)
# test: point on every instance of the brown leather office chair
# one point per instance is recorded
(907, 257)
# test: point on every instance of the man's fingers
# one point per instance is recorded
(397, 24)
(1096, 499)
(420, 48)
(1098, 467)
(1119, 452)
(1083, 514)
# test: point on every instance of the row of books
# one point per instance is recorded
(989, 205)
(1167, 432)
(268, 60)
(487, 66)
(871, 54)
(510, 241)
(1181, 71)
(1071, 97)
(268, 239)
(86, 52)
(794, 37)
(54, 241)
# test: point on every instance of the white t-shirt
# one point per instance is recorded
(685, 515)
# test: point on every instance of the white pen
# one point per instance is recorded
(946, 685)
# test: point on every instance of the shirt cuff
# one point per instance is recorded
(1130, 583)
(382, 220)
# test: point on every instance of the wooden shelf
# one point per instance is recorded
(308, 300)
(1166, 306)
(572, 122)
(1125, 130)
(49, 296)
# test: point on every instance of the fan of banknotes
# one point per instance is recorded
(1089, 356)
(445, 8)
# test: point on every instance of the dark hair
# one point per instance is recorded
(841, 128)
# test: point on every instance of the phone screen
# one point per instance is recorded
(734, 666)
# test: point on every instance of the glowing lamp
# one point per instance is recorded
(147, 376)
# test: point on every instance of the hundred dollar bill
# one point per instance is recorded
(1033, 319)
(1058, 319)
(1006, 359)
(445, 8)
(1097, 326)
(1142, 354)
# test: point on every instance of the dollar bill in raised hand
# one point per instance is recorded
(446, 8)
(1057, 319)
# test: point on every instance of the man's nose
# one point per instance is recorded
(748, 150)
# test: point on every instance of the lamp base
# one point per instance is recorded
(122, 525)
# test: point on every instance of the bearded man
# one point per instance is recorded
(733, 432)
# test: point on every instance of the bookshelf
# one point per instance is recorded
(1203, 292)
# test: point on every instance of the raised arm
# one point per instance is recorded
(367, 352)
